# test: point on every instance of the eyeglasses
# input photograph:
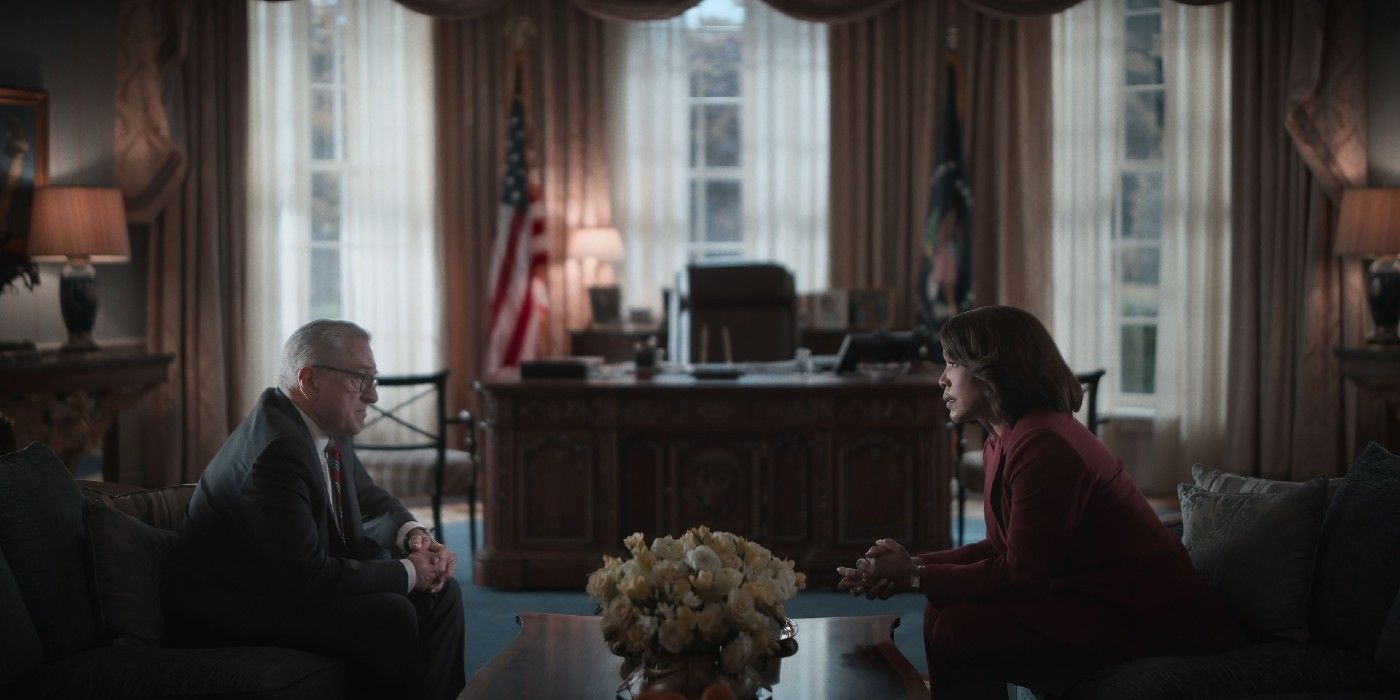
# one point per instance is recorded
(367, 381)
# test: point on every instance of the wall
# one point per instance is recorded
(69, 48)
(1383, 93)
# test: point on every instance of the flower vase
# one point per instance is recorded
(689, 675)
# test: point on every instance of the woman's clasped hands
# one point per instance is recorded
(886, 569)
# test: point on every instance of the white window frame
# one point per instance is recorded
(698, 247)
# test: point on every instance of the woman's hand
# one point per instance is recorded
(888, 563)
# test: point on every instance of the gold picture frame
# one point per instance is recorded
(24, 162)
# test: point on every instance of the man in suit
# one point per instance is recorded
(290, 543)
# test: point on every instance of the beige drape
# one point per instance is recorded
(195, 287)
(567, 129)
(1286, 400)
(887, 91)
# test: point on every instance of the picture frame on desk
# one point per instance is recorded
(606, 304)
(872, 309)
(24, 167)
(828, 310)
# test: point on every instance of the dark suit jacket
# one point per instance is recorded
(261, 523)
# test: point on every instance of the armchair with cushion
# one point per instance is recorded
(80, 617)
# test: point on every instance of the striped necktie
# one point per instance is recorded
(333, 462)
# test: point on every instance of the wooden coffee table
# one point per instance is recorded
(564, 656)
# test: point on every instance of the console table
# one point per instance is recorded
(816, 468)
(69, 401)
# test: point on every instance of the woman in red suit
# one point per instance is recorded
(1077, 571)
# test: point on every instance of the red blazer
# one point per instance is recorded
(1064, 519)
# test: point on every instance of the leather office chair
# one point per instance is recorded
(753, 305)
(972, 473)
(405, 445)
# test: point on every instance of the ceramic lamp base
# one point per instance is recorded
(77, 297)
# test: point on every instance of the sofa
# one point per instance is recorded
(80, 614)
(1310, 570)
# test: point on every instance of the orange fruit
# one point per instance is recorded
(717, 691)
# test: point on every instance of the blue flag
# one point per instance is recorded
(945, 272)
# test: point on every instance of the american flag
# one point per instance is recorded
(519, 296)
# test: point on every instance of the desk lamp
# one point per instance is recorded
(85, 225)
(597, 249)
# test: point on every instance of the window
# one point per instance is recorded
(327, 25)
(714, 46)
(720, 143)
(342, 196)
(1137, 238)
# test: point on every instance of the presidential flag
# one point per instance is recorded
(519, 294)
(945, 282)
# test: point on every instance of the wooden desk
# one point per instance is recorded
(69, 401)
(816, 469)
(564, 656)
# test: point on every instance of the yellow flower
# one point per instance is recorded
(637, 587)
(674, 636)
(710, 622)
(635, 542)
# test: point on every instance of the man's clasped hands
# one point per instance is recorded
(433, 562)
(886, 569)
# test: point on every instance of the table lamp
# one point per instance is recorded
(1369, 227)
(85, 225)
(597, 249)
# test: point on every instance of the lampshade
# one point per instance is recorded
(80, 222)
(602, 244)
(1369, 223)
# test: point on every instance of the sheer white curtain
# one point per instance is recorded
(650, 153)
(786, 130)
(1187, 404)
(385, 275)
(1194, 333)
(1087, 84)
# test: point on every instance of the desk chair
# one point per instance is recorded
(744, 312)
(405, 447)
(972, 473)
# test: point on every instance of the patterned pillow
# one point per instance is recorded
(1257, 551)
(1221, 481)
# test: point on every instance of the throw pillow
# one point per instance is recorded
(20, 648)
(1221, 481)
(1358, 565)
(128, 557)
(41, 533)
(1256, 550)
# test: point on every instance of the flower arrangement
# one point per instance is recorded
(706, 592)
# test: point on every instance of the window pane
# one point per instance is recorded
(1143, 4)
(322, 124)
(1143, 111)
(714, 63)
(325, 207)
(325, 283)
(723, 211)
(1139, 359)
(1142, 205)
(697, 135)
(696, 207)
(1138, 275)
(1143, 42)
(721, 135)
(716, 13)
(322, 44)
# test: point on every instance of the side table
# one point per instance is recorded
(69, 401)
(1375, 371)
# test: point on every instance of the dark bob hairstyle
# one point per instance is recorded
(1014, 357)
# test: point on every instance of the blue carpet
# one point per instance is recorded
(491, 626)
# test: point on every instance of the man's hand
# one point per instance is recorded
(429, 569)
(420, 541)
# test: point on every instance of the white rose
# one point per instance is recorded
(601, 585)
(763, 592)
(637, 587)
(692, 600)
(710, 622)
(738, 653)
(635, 542)
(674, 636)
(702, 558)
(723, 543)
(756, 555)
(668, 547)
(669, 570)
(727, 580)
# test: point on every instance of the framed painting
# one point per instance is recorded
(24, 162)
(872, 309)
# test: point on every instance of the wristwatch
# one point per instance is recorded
(914, 577)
